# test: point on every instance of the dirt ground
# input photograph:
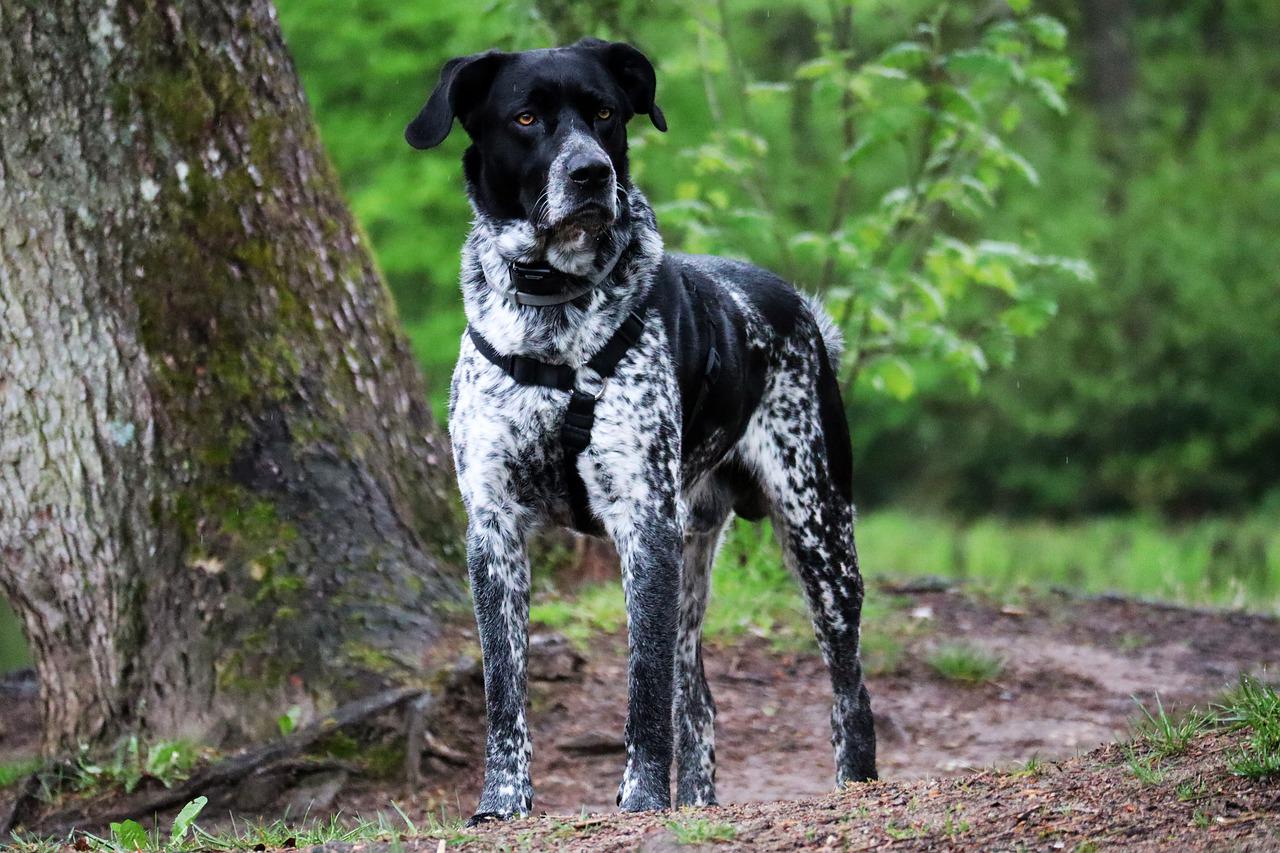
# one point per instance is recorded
(1072, 668)
(1085, 803)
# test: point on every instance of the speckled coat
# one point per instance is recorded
(671, 457)
(769, 438)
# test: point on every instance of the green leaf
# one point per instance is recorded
(129, 835)
(288, 721)
(823, 66)
(893, 376)
(1019, 7)
(979, 62)
(186, 817)
(1028, 318)
(1048, 95)
(905, 54)
(1048, 31)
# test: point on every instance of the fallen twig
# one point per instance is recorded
(231, 769)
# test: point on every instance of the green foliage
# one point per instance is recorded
(131, 762)
(966, 663)
(129, 835)
(700, 830)
(1145, 768)
(1255, 707)
(1227, 562)
(1153, 388)
(288, 721)
(765, 106)
(1168, 735)
(912, 162)
(753, 594)
(12, 771)
(186, 819)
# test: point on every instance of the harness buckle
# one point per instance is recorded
(589, 382)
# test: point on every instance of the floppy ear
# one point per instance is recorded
(464, 81)
(634, 73)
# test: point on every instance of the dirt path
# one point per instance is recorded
(1072, 668)
(1087, 803)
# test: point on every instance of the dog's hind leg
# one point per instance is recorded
(695, 710)
(797, 445)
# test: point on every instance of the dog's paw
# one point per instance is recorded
(488, 817)
(636, 798)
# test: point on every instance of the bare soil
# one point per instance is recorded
(1073, 668)
(949, 753)
(1084, 803)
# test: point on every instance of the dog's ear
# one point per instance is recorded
(464, 81)
(634, 73)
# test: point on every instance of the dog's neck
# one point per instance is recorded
(622, 260)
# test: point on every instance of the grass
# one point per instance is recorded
(700, 830)
(1227, 562)
(186, 835)
(12, 771)
(1255, 708)
(965, 663)
(1168, 735)
(1231, 562)
(132, 761)
(1145, 768)
(753, 594)
(1033, 767)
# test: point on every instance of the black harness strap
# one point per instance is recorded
(585, 385)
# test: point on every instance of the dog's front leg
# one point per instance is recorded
(650, 549)
(499, 569)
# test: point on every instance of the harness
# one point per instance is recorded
(540, 285)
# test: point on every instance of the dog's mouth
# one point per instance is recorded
(592, 218)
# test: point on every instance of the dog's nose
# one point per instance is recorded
(589, 170)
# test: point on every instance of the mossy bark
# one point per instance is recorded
(221, 491)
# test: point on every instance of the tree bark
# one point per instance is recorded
(221, 490)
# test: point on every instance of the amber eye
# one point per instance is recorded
(526, 119)
(604, 113)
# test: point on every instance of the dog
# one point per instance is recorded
(609, 386)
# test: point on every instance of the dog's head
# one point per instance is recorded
(548, 130)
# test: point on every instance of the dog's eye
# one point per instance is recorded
(526, 119)
(604, 113)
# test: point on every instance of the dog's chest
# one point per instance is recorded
(506, 436)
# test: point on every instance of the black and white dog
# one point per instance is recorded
(612, 387)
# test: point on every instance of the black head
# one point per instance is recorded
(548, 129)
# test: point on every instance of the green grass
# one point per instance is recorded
(132, 761)
(700, 830)
(1033, 767)
(965, 663)
(1168, 735)
(14, 770)
(187, 835)
(752, 594)
(1145, 768)
(1216, 561)
(1255, 708)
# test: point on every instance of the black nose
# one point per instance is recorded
(589, 170)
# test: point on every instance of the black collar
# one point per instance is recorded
(540, 284)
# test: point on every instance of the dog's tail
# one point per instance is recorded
(832, 337)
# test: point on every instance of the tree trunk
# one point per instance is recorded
(221, 490)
